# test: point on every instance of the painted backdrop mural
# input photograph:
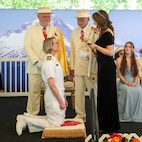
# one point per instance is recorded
(127, 24)
(13, 25)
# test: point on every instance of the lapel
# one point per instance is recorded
(52, 31)
(40, 33)
(88, 32)
(87, 36)
(77, 36)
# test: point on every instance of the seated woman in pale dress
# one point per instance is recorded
(129, 89)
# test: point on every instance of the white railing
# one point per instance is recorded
(14, 77)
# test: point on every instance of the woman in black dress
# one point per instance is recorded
(107, 93)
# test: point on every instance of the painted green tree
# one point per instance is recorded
(72, 4)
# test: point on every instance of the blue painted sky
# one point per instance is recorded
(12, 19)
(127, 23)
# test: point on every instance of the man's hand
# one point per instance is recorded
(72, 73)
(62, 105)
(95, 30)
(39, 64)
(66, 102)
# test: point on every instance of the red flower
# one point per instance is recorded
(119, 136)
(135, 139)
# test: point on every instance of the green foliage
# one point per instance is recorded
(139, 4)
(69, 4)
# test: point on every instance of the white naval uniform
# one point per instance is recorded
(54, 115)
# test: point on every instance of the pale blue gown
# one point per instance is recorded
(129, 100)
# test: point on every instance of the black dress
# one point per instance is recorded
(107, 93)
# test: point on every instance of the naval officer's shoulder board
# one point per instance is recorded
(48, 58)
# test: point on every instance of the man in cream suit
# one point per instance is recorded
(83, 60)
(33, 43)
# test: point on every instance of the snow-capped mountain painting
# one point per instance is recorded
(127, 25)
(14, 23)
(11, 43)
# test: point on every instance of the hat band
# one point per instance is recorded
(83, 15)
(44, 11)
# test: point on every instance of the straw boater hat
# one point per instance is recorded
(44, 10)
(83, 14)
(118, 49)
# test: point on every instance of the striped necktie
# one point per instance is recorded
(44, 32)
(82, 35)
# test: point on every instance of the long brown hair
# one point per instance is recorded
(134, 68)
(103, 22)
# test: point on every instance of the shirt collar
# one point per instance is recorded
(85, 29)
(47, 27)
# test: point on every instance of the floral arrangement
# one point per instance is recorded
(118, 137)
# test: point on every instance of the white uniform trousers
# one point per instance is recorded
(36, 123)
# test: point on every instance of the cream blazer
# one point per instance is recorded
(33, 44)
(80, 66)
